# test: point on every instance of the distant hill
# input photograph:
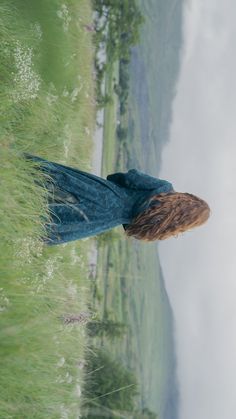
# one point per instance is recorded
(154, 69)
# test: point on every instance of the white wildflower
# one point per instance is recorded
(78, 390)
(75, 258)
(4, 301)
(60, 14)
(72, 290)
(50, 98)
(37, 30)
(68, 378)
(66, 149)
(27, 249)
(65, 413)
(52, 95)
(74, 94)
(50, 267)
(72, 57)
(87, 130)
(63, 14)
(65, 92)
(81, 364)
(60, 380)
(67, 140)
(56, 340)
(61, 362)
(27, 81)
(83, 333)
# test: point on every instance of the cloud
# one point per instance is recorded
(200, 266)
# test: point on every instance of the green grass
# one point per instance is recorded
(132, 292)
(110, 120)
(47, 109)
(129, 287)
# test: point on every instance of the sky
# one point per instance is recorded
(200, 266)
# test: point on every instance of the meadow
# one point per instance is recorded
(46, 108)
(129, 286)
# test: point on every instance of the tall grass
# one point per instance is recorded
(47, 109)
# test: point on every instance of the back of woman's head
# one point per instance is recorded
(168, 215)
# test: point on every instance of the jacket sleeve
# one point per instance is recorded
(134, 179)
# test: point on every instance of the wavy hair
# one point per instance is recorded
(168, 215)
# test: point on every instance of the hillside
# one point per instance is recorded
(154, 70)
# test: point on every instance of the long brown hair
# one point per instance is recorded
(172, 214)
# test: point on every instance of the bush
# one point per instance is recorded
(110, 387)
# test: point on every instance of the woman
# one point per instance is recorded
(83, 205)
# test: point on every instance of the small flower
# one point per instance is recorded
(65, 92)
(74, 94)
(81, 364)
(37, 30)
(75, 258)
(63, 14)
(61, 362)
(68, 378)
(64, 412)
(87, 130)
(50, 98)
(71, 290)
(78, 390)
(4, 301)
(26, 80)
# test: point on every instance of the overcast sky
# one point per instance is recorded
(200, 266)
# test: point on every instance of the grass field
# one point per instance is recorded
(110, 120)
(47, 109)
(129, 284)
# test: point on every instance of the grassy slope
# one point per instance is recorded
(110, 120)
(131, 290)
(46, 108)
(133, 294)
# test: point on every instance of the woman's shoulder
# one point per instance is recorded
(135, 179)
